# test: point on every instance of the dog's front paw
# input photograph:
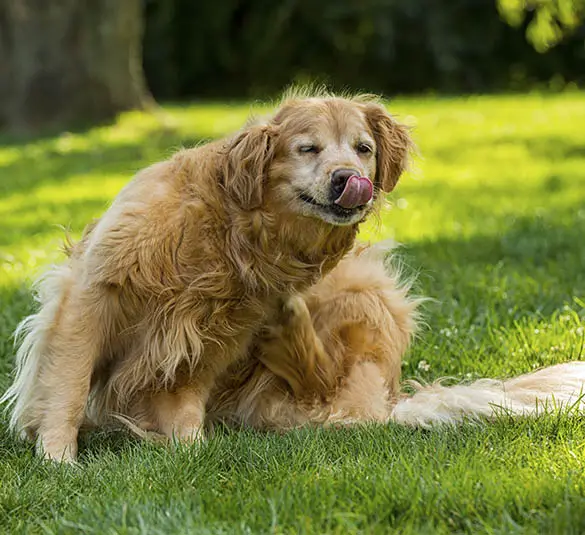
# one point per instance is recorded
(188, 434)
(56, 451)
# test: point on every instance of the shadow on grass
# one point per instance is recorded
(536, 267)
(548, 147)
(49, 134)
(528, 242)
(83, 127)
(553, 148)
(51, 164)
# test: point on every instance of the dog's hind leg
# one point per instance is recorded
(55, 361)
(72, 352)
(291, 349)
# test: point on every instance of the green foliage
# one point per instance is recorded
(254, 48)
(492, 219)
(552, 21)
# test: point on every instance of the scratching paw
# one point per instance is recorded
(293, 310)
(290, 315)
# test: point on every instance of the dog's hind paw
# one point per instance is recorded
(292, 310)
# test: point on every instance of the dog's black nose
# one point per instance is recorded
(339, 179)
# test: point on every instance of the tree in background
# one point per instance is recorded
(64, 62)
(551, 22)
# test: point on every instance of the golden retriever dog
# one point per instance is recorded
(167, 290)
(333, 354)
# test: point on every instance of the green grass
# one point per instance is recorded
(493, 222)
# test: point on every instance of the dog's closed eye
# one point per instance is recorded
(364, 148)
(309, 148)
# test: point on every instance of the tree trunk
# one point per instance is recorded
(66, 63)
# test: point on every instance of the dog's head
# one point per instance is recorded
(325, 158)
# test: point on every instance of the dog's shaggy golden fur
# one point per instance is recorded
(168, 288)
(332, 355)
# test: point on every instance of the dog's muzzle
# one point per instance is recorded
(350, 190)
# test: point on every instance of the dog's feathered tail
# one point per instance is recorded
(557, 387)
(23, 395)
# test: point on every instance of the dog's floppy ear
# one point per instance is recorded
(393, 145)
(249, 155)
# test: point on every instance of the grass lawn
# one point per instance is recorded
(493, 222)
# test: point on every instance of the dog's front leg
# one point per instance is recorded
(180, 414)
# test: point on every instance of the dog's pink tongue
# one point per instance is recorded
(357, 192)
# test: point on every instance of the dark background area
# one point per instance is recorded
(252, 48)
(71, 63)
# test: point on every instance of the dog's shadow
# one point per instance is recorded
(110, 441)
